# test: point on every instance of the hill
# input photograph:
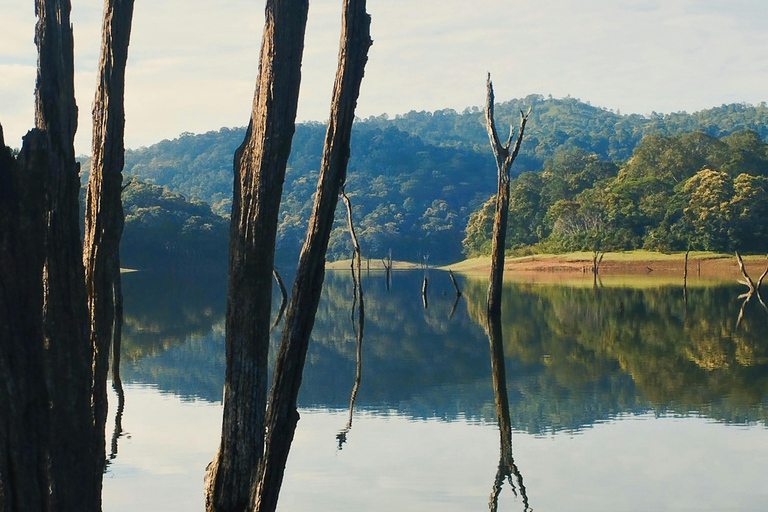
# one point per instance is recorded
(415, 179)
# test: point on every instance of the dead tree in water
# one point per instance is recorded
(283, 298)
(104, 216)
(50, 458)
(282, 413)
(505, 155)
(259, 168)
(357, 278)
(387, 262)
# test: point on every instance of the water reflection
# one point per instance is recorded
(507, 469)
(358, 326)
(577, 356)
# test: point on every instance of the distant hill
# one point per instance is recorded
(415, 179)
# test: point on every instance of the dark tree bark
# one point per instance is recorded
(23, 391)
(282, 415)
(104, 216)
(505, 155)
(259, 165)
(48, 458)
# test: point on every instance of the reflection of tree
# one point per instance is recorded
(163, 309)
(585, 341)
(357, 280)
(117, 383)
(507, 467)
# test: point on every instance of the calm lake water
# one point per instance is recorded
(622, 398)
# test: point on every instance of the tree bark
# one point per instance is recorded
(505, 155)
(259, 165)
(282, 414)
(47, 452)
(104, 218)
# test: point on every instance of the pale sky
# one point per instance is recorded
(192, 63)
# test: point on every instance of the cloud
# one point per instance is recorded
(193, 63)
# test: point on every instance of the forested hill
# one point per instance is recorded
(415, 179)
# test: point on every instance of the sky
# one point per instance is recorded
(193, 63)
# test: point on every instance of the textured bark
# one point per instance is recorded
(505, 155)
(104, 217)
(259, 165)
(23, 393)
(282, 415)
(47, 451)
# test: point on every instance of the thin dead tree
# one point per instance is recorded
(753, 289)
(259, 172)
(685, 280)
(104, 218)
(505, 155)
(282, 413)
(357, 278)
(283, 298)
(387, 262)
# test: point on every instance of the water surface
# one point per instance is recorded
(621, 397)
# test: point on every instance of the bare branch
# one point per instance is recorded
(760, 281)
(489, 122)
(747, 280)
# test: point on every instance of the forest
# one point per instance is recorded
(421, 182)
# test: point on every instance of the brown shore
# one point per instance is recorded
(635, 263)
(702, 266)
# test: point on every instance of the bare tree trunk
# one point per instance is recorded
(357, 279)
(104, 217)
(48, 454)
(282, 415)
(260, 164)
(505, 155)
(23, 391)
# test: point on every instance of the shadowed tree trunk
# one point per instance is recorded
(505, 155)
(282, 415)
(259, 166)
(104, 216)
(48, 446)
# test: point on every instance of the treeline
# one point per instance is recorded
(414, 180)
(675, 192)
(163, 228)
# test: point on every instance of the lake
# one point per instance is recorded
(627, 396)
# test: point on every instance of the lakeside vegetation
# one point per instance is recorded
(421, 183)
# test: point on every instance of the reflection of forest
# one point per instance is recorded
(680, 359)
(574, 355)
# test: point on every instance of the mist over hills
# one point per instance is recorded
(415, 179)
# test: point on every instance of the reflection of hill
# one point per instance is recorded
(574, 356)
(694, 361)
(163, 309)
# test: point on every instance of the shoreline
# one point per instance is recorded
(704, 265)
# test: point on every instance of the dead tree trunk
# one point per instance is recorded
(260, 164)
(282, 415)
(357, 279)
(505, 155)
(48, 455)
(104, 217)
